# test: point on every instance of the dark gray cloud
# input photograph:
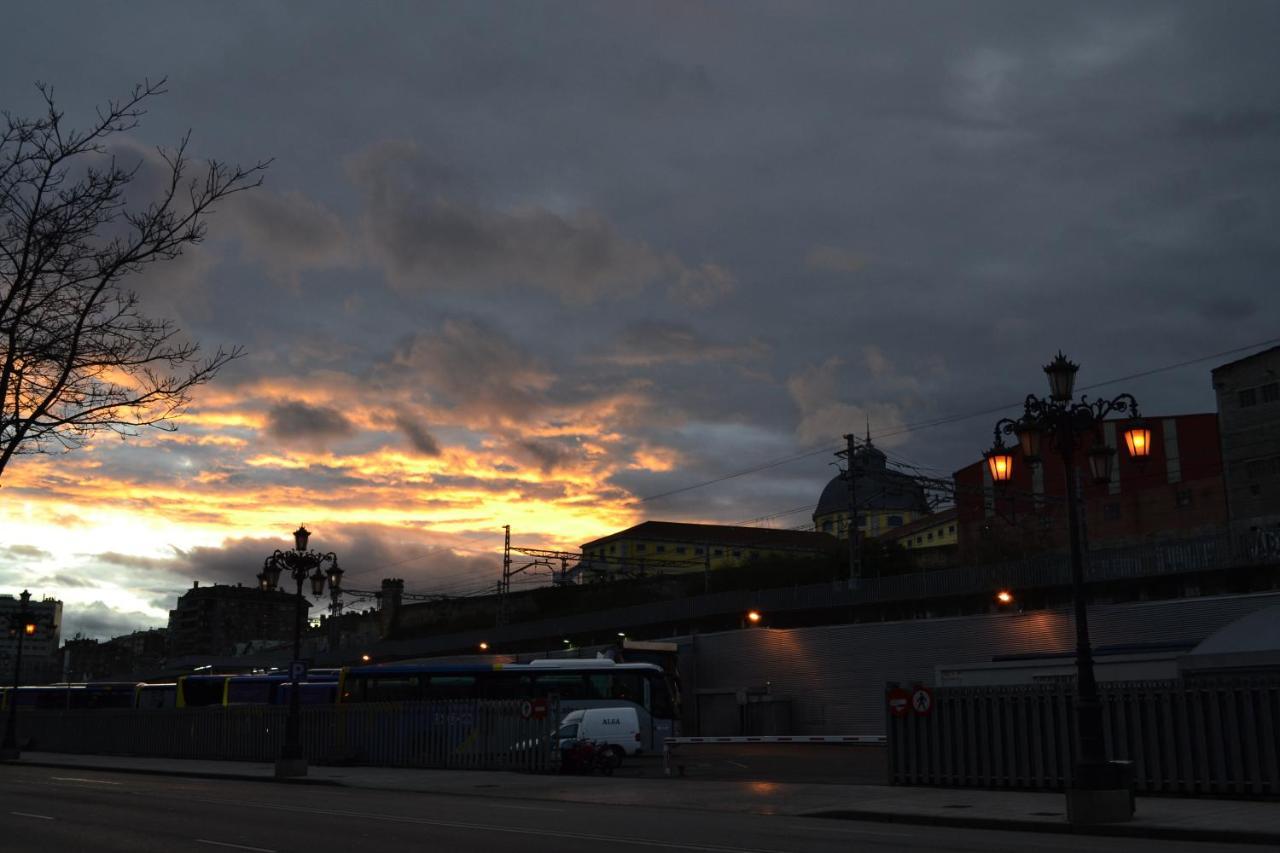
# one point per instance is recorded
(700, 221)
(294, 420)
(419, 438)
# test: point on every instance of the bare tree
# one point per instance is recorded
(79, 355)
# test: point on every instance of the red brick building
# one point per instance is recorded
(1177, 491)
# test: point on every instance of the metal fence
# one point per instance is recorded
(492, 735)
(1212, 737)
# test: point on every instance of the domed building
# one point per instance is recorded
(886, 499)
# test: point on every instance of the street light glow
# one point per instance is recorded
(1004, 596)
(484, 647)
(753, 616)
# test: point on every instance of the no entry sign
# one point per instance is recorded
(539, 708)
(899, 702)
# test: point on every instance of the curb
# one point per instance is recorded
(1111, 830)
(186, 774)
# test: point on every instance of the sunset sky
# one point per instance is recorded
(530, 263)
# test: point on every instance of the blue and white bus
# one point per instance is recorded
(579, 683)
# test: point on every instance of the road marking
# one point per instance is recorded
(521, 808)
(736, 764)
(29, 814)
(235, 846)
(81, 779)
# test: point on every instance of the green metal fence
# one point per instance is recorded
(493, 735)
(1219, 736)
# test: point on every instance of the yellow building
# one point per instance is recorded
(668, 547)
(885, 499)
(932, 531)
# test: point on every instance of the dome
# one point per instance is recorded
(875, 487)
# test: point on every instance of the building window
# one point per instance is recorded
(755, 554)
(698, 551)
(929, 535)
(951, 529)
(661, 549)
(737, 553)
(826, 527)
(1253, 470)
(641, 547)
(1248, 397)
(719, 552)
(1271, 392)
(895, 521)
(680, 549)
(610, 549)
(1111, 511)
(1182, 498)
(919, 539)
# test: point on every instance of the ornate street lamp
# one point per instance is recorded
(1061, 420)
(301, 565)
(20, 626)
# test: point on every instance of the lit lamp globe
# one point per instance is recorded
(1137, 438)
(999, 462)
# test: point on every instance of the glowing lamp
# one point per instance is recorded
(300, 537)
(365, 658)
(753, 616)
(1000, 461)
(484, 647)
(1004, 597)
(1137, 437)
(1101, 462)
(1062, 377)
(29, 629)
(264, 582)
(335, 575)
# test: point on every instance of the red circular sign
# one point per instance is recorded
(899, 702)
(539, 708)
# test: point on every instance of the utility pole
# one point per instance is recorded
(855, 568)
(504, 585)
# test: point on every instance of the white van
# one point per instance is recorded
(617, 727)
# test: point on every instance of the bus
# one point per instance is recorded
(579, 684)
(72, 697)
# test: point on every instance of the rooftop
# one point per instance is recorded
(722, 534)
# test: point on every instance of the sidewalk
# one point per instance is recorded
(1157, 817)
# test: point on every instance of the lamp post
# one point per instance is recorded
(20, 625)
(302, 565)
(1058, 421)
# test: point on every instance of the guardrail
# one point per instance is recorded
(485, 734)
(1215, 737)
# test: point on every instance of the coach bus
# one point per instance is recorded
(579, 684)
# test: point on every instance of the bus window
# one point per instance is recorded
(452, 687)
(570, 685)
(250, 692)
(405, 688)
(199, 691)
(505, 685)
(661, 704)
(623, 686)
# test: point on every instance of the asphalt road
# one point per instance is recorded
(47, 810)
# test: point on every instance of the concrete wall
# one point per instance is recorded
(834, 676)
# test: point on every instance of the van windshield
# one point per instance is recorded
(569, 732)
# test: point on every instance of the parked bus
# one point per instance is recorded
(72, 697)
(579, 684)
